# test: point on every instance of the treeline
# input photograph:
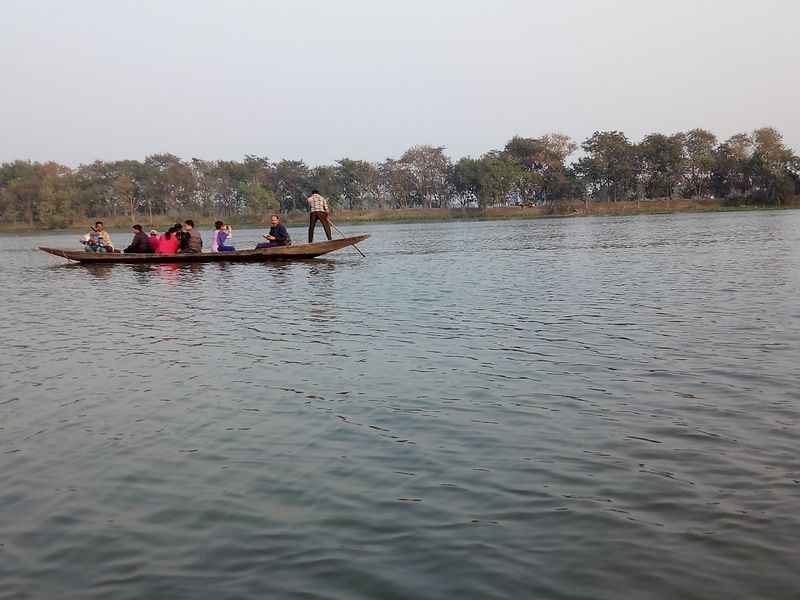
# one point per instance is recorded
(754, 168)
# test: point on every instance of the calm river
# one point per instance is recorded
(567, 408)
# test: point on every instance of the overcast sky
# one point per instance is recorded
(323, 80)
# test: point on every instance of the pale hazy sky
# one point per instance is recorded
(321, 80)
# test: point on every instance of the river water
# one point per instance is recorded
(565, 408)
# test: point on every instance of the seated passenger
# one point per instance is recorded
(190, 239)
(153, 240)
(98, 240)
(183, 237)
(168, 242)
(140, 243)
(277, 236)
(222, 234)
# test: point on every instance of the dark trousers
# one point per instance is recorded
(270, 244)
(312, 223)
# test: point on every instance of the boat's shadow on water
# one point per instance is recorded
(316, 265)
(98, 271)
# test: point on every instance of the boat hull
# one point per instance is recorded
(293, 252)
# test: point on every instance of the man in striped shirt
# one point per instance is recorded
(319, 212)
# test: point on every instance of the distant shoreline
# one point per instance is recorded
(422, 215)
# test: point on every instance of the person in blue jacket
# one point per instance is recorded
(277, 236)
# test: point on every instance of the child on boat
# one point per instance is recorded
(222, 234)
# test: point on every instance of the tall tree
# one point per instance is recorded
(292, 184)
(662, 163)
(124, 187)
(467, 181)
(431, 173)
(396, 184)
(700, 147)
(609, 167)
(170, 183)
(773, 164)
(732, 175)
(527, 155)
(542, 173)
(258, 201)
(358, 183)
(499, 183)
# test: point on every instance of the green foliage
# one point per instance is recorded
(500, 180)
(610, 167)
(773, 165)
(292, 184)
(700, 161)
(324, 179)
(429, 176)
(358, 183)
(661, 164)
(259, 200)
(467, 181)
(541, 166)
(756, 167)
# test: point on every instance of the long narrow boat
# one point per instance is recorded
(295, 251)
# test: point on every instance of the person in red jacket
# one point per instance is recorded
(168, 242)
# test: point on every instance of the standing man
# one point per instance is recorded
(319, 212)
(193, 240)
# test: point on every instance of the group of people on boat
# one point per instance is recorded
(178, 238)
(184, 238)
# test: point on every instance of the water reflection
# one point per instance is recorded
(169, 272)
(142, 273)
(100, 271)
(323, 269)
(321, 277)
(279, 274)
(596, 385)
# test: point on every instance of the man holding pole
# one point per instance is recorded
(318, 207)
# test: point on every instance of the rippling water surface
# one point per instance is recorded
(570, 408)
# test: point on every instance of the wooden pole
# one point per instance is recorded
(343, 235)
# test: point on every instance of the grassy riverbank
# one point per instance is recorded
(411, 215)
(564, 209)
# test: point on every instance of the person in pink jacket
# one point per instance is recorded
(168, 242)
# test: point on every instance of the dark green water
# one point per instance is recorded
(576, 408)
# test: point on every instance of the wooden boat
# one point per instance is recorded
(295, 251)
